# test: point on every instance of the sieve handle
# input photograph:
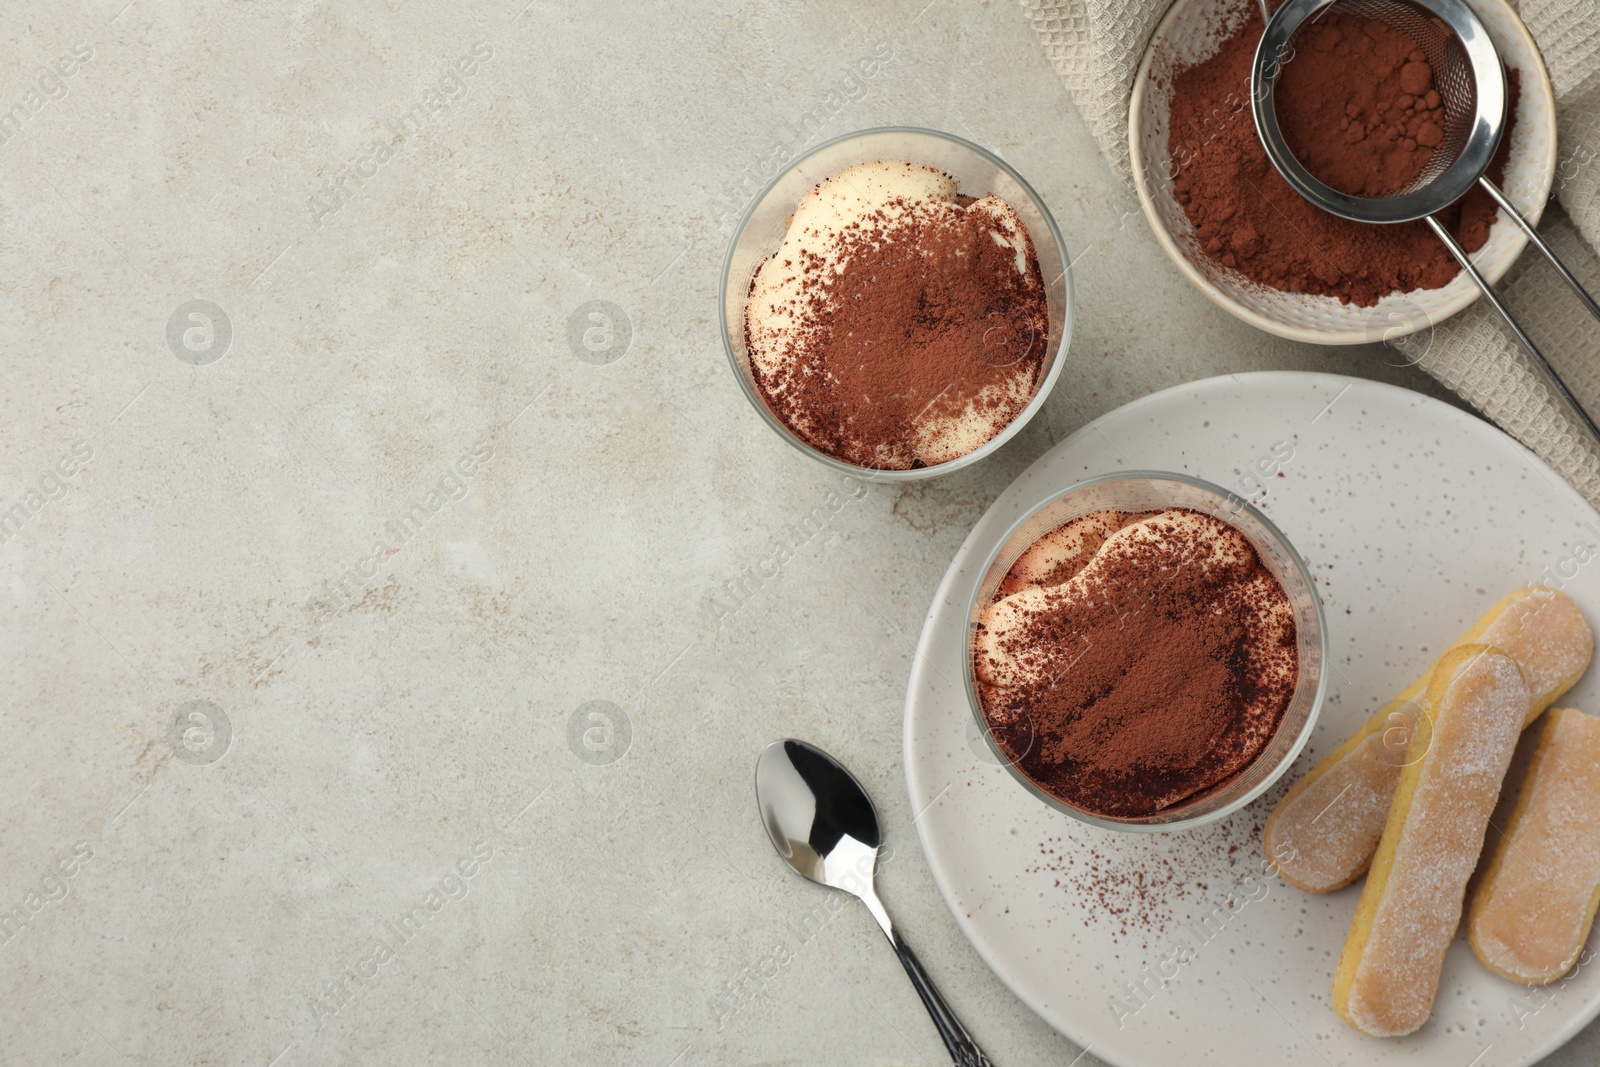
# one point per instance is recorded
(1561, 268)
(1550, 374)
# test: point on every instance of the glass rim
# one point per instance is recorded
(1012, 428)
(1143, 823)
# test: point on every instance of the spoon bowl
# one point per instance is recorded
(818, 816)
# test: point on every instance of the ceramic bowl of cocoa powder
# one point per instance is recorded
(1238, 231)
(1171, 665)
(940, 354)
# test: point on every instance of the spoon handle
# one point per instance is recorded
(963, 1050)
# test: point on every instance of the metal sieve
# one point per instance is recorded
(1471, 82)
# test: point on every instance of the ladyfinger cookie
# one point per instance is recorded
(1532, 911)
(1410, 907)
(1322, 833)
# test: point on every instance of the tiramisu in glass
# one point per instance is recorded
(901, 324)
(1151, 648)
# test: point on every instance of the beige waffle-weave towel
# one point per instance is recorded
(1096, 47)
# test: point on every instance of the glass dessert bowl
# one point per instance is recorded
(941, 177)
(1146, 652)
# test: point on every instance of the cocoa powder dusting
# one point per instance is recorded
(930, 318)
(1358, 108)
(1141, 894)
(1165, 692)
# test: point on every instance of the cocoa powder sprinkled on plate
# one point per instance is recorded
(1142, 892)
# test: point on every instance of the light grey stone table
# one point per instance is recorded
(364, 669)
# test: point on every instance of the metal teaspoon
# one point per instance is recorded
(823, 824)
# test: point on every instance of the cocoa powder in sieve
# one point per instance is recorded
(1360, 109)
(1354, 107)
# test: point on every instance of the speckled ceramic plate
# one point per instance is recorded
(1174, 948)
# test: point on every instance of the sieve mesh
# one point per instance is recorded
(1452, 75)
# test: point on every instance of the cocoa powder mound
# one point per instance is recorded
(930, 318)
(1359, 107)
(1151, 707)
(1349, 76)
